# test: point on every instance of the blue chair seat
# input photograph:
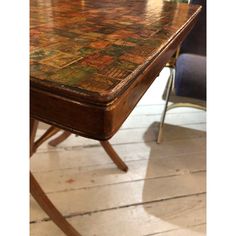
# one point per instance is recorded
(190, 77)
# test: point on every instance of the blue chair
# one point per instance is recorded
(186, 85)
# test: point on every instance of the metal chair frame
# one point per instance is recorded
(167, 107)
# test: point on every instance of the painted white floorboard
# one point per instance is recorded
(123, 194)
(158, 217)
(196, 230)
(106, 174)
(94, 156)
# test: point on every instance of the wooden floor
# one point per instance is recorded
(163, 193)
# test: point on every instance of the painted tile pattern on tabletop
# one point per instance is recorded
(96, 45)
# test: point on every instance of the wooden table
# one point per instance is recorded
(92, 61)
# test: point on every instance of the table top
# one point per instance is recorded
(93, 50)
(92, 61)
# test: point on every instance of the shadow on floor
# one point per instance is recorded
(181, 158)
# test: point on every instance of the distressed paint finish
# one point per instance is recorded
(96, 48)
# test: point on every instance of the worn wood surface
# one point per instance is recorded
(163, 193)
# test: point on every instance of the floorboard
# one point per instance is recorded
(157, 217)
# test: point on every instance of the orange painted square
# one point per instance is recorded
(99, 44)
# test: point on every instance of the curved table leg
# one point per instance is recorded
(33, 130)
(50, 209)
(105, 144)
(48, 134)
(41, 198)
(60, 138)
(114, 156)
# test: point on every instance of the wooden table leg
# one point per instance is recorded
(33, 130)
(60, 138)
(105, 144)
(114, 156)
(50, 209)
(48, 134)
(42, 199)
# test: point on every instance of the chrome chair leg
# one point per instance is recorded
(169, 88)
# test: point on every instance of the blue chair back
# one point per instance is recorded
(195, 43)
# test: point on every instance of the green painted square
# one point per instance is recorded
(87, 51)
(73, 74)
(41, 54)
(116, 50)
